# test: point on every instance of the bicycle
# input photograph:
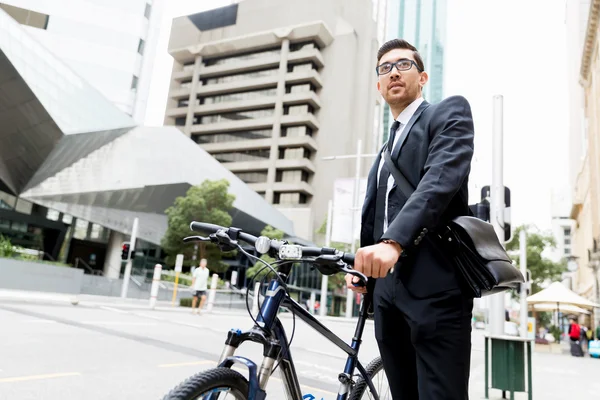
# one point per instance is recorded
(268, 329)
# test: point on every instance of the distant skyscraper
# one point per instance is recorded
(423, 24)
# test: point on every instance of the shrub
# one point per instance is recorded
(186, 302)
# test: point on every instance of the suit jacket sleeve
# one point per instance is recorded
(447, 167)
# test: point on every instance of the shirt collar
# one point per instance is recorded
(408, 112)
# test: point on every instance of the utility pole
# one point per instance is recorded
(128, 266)
(523, 265)
(325, 278)
(355, 200)
(497, 208)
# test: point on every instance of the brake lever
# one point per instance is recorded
(196, 239)
(363, 278)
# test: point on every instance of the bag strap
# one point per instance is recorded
(405, 186)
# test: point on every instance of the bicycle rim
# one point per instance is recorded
(221, 393)
(381, 385)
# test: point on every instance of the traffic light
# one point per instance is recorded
(125, 251)
(486, 194)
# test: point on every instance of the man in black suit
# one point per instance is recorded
(422, 319)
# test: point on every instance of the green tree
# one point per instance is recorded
(542, 269)
(209, 202)
(266, 273)
(6, 248)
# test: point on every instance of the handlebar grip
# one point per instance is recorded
(204, 227)
(348, 258)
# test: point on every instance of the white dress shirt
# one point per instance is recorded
(403, 118)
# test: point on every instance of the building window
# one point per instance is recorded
(302, 67)
(233, 136)
(240, 77)
(296, 131)
(141, 46)
(298, 110)
(301, 88)
(134, 82)
(567, 232)
(243, 155)
(183, 103)
(303, 46)
(239, 96)
(148, 11)
(289, 198)
(235, 116)
(180, 121)
(252, 176)
(242, 57)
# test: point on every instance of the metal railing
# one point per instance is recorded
(86, 267)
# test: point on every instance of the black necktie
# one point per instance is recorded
(382, 187)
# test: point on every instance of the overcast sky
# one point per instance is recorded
(515, 48)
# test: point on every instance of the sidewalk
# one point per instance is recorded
(131, 303)
(555, 377)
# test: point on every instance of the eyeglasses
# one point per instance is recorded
(401, 65)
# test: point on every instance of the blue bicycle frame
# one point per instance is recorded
(271, 334)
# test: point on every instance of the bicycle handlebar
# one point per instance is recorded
(326, 257)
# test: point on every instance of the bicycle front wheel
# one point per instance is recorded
(377, 374)
(217, 383)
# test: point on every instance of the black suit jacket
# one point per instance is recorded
(434, 153)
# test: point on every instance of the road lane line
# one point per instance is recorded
(38, 377)
(114, 310)
(125, 323)
(183, 364)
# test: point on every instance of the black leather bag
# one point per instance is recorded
(482, 262)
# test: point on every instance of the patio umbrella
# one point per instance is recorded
(560, 295)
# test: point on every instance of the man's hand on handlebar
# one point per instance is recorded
(374, 261)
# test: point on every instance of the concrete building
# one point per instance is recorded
(269, 88)
(586, 205)
(109, 43)
(75, 171)
(423, 24)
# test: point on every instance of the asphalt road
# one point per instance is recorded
(58, 351)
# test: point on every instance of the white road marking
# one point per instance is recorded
(114, 310)
(119, 323)
(37, 377)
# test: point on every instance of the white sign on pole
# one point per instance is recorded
(234, 278)
(178, 263)
(341, 224)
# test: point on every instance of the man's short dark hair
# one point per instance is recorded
(400, 44)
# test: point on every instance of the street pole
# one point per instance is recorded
(355, 193)
(178, 269)
(325, 279)
(155, 283)
(497, 209)
(355, 196)
(523, 264)
(128, 266)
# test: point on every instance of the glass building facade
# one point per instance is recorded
(423, 24)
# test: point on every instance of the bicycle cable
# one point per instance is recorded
(262, 281)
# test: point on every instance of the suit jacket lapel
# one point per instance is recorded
(407, 128)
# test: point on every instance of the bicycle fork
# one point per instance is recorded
(258, 376)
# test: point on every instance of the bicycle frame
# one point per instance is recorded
(275, 346)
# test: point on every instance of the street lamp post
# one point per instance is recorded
(355, 200)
